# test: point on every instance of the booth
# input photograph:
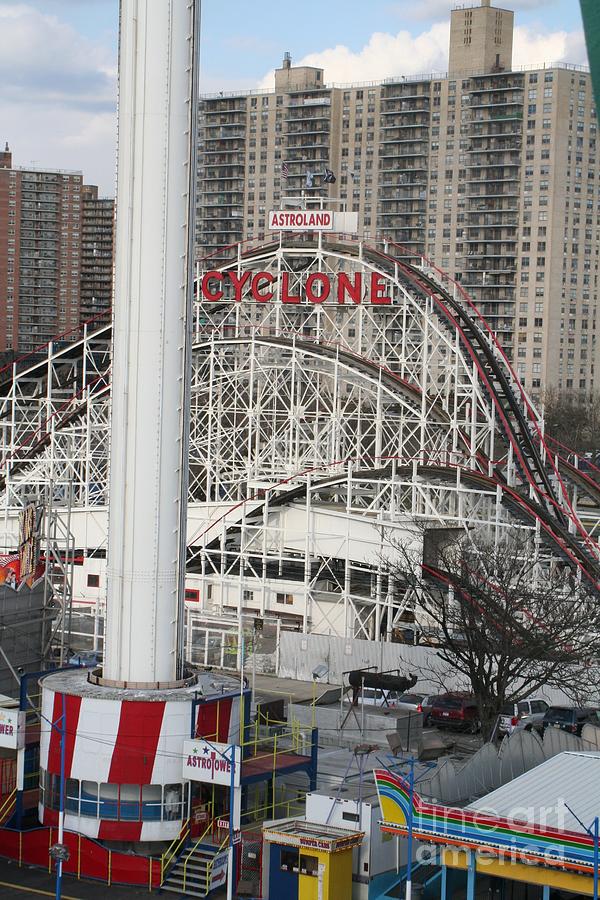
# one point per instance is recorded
(306, 861)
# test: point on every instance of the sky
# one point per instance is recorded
(58, 59)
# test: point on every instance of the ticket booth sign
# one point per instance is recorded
(211, 762)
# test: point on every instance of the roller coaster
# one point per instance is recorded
(321, 429)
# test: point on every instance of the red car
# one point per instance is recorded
(456, 710)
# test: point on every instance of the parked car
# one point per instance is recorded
(570, 718)
(427, 705)
(376, 697)
(409, 702)
(456, 710)
(522, 714)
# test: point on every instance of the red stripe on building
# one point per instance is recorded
(137, 739)
(133, 759)
(120, 831)
(72, 707)
(213, 720)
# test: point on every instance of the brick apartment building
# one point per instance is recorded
(53, 241)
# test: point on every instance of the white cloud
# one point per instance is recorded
(57, 104)
(533, 48)
(389, 55)
(383, 56)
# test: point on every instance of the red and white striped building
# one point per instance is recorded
(123, 753)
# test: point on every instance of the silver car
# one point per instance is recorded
(522, 714)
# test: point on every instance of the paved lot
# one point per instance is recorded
(29, 882)
(20, 883)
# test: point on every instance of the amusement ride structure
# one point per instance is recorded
(326, 421)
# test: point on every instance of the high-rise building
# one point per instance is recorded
(40, 254)
(97, 236)
(55, 254)
(489, 171)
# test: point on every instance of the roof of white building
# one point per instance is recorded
(539, 796)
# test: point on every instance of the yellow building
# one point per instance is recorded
(304, 861)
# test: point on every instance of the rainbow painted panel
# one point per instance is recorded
(469, 828)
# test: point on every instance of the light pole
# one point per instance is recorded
(229, 756)
(411, 794)
(231, 852)
(594, 832)
(58, 851)
(409, 819)
(61, 802)
(596, 848)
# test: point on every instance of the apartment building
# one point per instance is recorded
(97, 236)
(490, 171)
(55, 254)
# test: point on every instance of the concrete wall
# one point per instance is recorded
(301, 653)
(339, 729)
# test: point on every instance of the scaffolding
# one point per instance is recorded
(319, 430)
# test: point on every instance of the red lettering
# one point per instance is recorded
(318, 278)
(345, 286)
(285, 295)
(377, 286)
(206, 292)
(261, 276)
(238, 283)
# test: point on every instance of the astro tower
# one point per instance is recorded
(126, 722)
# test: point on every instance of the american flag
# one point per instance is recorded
(285, 172)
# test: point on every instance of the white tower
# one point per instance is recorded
(153, 285)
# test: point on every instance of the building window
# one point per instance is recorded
(192, 595)
(93, 580)
(285, 599)
(117, 803)
(290, 859)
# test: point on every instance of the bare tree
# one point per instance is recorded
(573, 420)
(508, 623)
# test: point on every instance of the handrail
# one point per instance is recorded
(194, 847)
(7, 806)
(174, 848)
(209, 867)
(257, 811)
(293, 731)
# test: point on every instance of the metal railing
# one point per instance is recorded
(174, 850)
(7, 808)
(192, 850)
(289, 808)
(224, 843)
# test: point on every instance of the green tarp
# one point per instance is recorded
(590, 10)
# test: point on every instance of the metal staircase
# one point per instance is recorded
(194, 874)
(193, 868)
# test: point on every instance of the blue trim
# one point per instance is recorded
(471, 875)
(314, 758)
(17, 816)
